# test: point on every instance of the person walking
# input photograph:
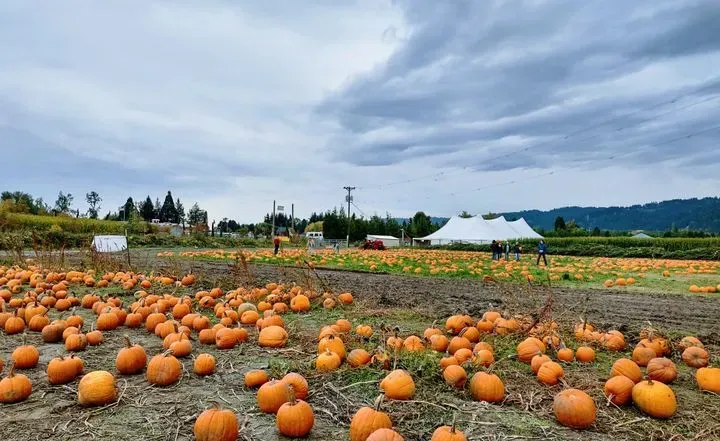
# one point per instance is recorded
(517, 249)
(542, 251)
(276, 241)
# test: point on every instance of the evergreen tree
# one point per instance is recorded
(156, 209)
(180, 211)
(128, 209)
(421, 225)
(560, 224)
(147, 211)
(195, 215)
(168, 212)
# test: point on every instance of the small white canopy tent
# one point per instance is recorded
(479, 231)
(109, 244)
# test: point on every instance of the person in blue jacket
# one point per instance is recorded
(542, 251)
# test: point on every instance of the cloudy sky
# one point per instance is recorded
(430, 105)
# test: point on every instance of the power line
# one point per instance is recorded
(715, 82)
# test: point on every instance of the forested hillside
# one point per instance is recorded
(693, 214)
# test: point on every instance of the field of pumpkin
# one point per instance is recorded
(129, 355)
(678, 276)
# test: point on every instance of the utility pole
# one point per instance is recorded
(292, 215)
(272, 232)
(349, 199)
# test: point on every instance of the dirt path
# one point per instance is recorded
(440, 297)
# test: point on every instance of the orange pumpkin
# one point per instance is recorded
(628, 368)
(455, 376)
(642, 355)
(696, 357)
(550, 373)
(367, 420)
(619, 390)
(655, 399)
(97, 388)
(358, 357)
(662, 369)
(487, 387)
(216, 424)
(164, 369)
(575, 409)
(256, 378)
(204, 364)
(398, 385)
(272, 395)
(708, 379)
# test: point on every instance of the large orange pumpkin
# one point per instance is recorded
(97, 389)
(708, 379)
(619, 389)
(487, 387)
(654, 398)
(662, 370)
(367, 420)
(216, 424)
(398, 385)
(628, 368)
(574, 408)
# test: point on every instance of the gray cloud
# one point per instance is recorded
(237, 104)
(472, 73)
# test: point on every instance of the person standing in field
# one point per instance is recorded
(542, 251)
(517, 249)
(276, 241)
(494, 249)
(507, 251)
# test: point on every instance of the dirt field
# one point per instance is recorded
(144, 412)
(437, 297)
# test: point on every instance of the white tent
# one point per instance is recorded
(109, 244)
(525, 230)
(479, 231)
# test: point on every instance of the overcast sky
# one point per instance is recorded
(430, 105)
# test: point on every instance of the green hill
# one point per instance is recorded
(692, 214)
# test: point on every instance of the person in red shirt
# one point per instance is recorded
(276, 241)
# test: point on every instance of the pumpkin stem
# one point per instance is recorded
(12, 370)
(291, 393)
(454, 420)
(128, 343)
(167, 352)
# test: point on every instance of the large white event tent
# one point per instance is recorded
(479, 231)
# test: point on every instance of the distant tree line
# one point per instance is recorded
(170, 211)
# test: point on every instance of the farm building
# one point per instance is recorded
(479, 231)
(388, 241)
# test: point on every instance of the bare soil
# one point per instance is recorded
(441, 297)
